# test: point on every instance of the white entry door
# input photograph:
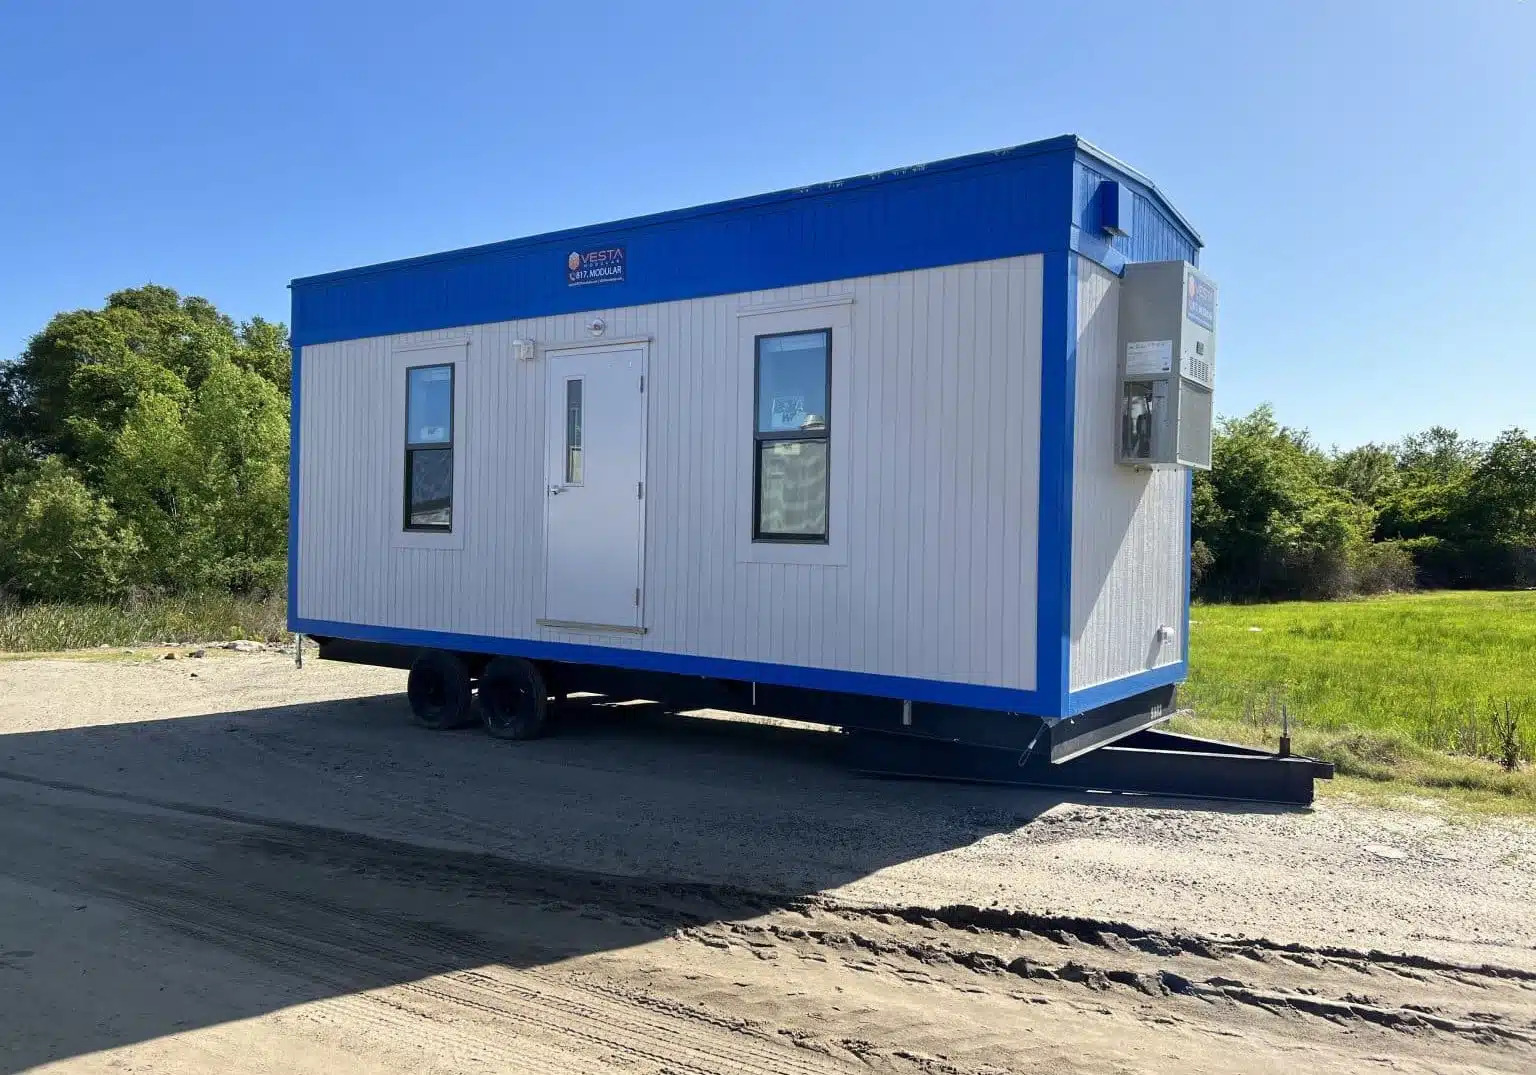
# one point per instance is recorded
(593, 493)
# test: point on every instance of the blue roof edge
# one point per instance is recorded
(1058, 144)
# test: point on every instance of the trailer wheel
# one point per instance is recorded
(439, 691)
(514, 700)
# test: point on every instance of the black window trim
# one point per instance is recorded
(412, 447)
(801, 436)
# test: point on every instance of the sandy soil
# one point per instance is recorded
(227, 864)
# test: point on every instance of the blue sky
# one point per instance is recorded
(1363, 173)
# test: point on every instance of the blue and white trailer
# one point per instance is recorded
(867, 452)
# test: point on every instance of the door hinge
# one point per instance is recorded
(639, 490)
(637, 597)
(642, 382)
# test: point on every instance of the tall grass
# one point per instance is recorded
(1411, 687)
(192, 618)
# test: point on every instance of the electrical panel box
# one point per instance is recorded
(1167, 366)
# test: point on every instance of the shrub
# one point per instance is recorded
(60, 540)
(1384, 567)
(1200, 560)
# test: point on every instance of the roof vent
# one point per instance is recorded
(1115, 206)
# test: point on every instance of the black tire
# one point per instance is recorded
(440, 692)
(514, 700)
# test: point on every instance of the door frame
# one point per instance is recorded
(597, 347)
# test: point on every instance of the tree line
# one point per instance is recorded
(1279, 517)
(144, 450)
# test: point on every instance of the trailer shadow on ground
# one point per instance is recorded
(167, 875)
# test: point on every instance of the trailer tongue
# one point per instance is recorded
(1149, 762)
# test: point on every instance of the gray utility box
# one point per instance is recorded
(1167, 366)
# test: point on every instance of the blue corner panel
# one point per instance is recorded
(1058, 392)
(295, 401)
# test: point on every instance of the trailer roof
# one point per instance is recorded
(852, 183)
(1022, 199)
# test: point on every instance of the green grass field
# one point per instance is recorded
(1402, 687)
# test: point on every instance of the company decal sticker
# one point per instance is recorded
(1201, 304)
(604, 266)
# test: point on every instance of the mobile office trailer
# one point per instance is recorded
(877, 452)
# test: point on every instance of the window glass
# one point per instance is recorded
(792, 382)
(573, 432)
(429, 405)
(792, 489)
(429, 489)
(429, 448)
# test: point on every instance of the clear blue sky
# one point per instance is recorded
(1364, 173)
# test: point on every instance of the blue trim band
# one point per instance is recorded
(1117, 689)
(975, 209)
(293, 481)
(1005, 699)
(1096, 248)
(1058, 389)
(614, 231)
(1005, 203)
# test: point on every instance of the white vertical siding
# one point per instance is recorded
(941, 444)
(1128, 567)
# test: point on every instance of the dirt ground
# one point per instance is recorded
(227, 864)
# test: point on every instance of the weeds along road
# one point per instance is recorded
(256, 869)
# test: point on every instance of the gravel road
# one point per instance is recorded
(226, 863)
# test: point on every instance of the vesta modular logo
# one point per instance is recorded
(1200, 302)
(605, 266)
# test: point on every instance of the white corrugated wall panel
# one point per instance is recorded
(942, 450)
(1128, 567)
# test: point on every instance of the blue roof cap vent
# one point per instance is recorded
(1116, 204)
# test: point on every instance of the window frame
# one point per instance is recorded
(760, 438)
(412, 447)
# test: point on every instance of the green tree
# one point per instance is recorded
(171, 421)
(1499, 495)
(1272, 517)
(1438, 454)
(60, 541)
(206, 484)
(74, 386)
(1368, 473)
(237, 433)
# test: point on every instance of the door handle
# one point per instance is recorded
(556, 490)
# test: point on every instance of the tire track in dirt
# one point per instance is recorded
(1093, 932)
(462, 952)
(314, 938)
(1483, 1026)
(388, 860)
(1486, 1028)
